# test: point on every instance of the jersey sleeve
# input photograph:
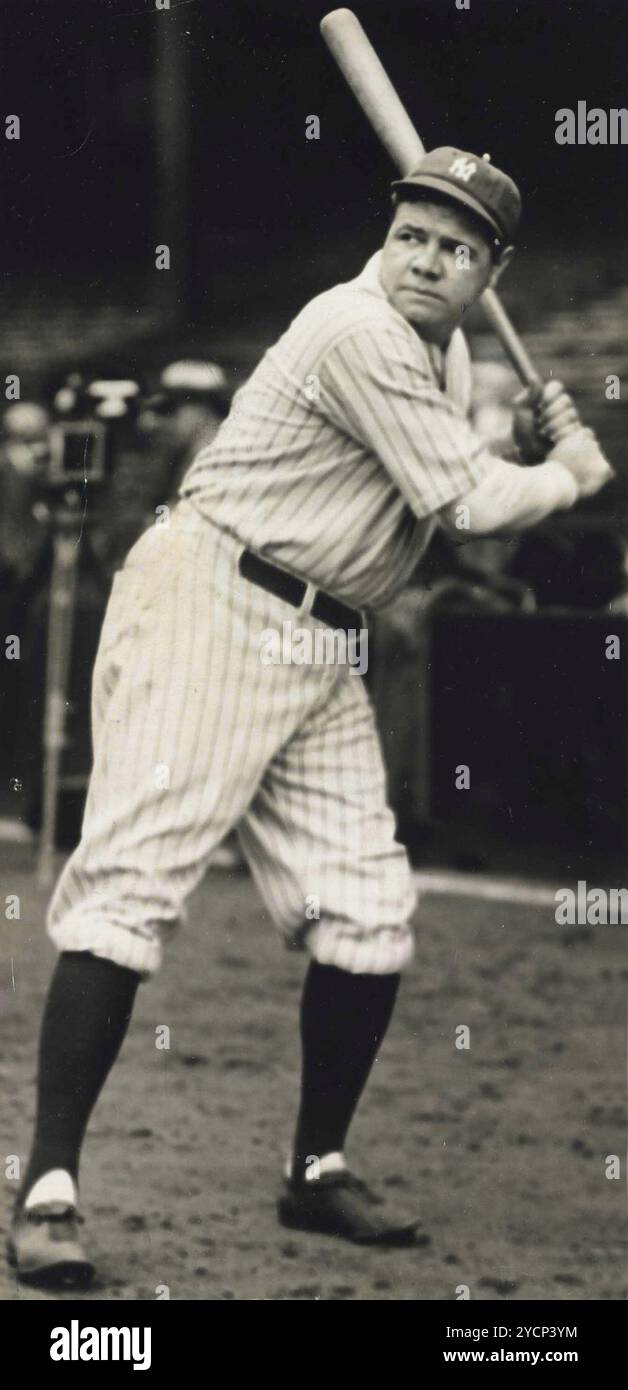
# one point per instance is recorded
(376, 385)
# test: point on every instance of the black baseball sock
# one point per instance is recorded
(85, 1019)
(344, 1018)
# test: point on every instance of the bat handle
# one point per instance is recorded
(513, 346)
(500, 322)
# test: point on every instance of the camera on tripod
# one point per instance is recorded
(88, 420)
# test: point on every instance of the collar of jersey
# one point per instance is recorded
(368, 279)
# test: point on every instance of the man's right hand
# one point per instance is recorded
(580, 453)
(540, 415)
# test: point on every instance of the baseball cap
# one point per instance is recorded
(189, 376)
(472, 181)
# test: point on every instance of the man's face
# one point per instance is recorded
(426, 275)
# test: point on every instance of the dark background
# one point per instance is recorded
(81, 182)
(101, 88)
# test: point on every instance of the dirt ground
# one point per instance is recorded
(501, 1147)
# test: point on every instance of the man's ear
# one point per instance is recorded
(499, 268)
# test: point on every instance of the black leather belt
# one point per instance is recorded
(292, 590)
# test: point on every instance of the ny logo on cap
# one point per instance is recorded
(463, 168)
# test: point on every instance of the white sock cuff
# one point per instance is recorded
(316, 1167)
(56, 1186)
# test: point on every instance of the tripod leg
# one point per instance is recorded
(60, 629)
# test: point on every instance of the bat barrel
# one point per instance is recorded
(372, 87)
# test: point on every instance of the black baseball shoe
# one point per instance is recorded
(44, 1246)
(340, 1204)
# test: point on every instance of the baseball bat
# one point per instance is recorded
(371, 85)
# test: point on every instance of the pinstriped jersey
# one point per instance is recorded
(348, 437)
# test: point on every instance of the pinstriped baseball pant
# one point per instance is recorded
(193, 734)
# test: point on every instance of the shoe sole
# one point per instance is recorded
(403, 1236)
(65, 1274)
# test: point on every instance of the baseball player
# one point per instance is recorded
(347, 446)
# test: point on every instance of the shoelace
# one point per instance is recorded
(39, 1215)
(356, 1184)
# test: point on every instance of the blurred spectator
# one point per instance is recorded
(173, 424)
(577, 572)
(619, 604)
(494, 387)
(23, 451)
(190, 407)
(24, 561)
(599, 569)
(546, 564)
